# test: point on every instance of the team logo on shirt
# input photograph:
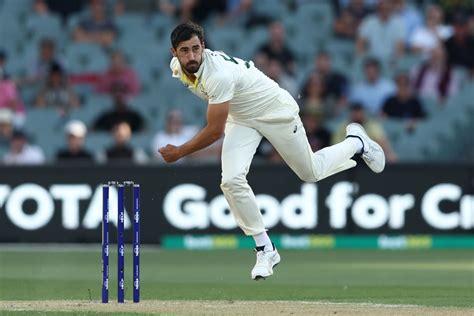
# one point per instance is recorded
(202, 91)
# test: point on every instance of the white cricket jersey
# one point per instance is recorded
(222, 78)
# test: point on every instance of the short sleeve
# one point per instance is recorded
(418, 38)
(365, 28)
(355, 93)
(220, 88)
(418, 109)
(399, 30)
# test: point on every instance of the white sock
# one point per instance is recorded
(356, 143)
(262, 239)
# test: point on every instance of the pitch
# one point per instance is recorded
(66, 280)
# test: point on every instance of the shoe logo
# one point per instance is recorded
(296, 128)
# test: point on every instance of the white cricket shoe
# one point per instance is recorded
(372, 153)
(266, 261)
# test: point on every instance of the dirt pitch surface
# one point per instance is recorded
(232, 308)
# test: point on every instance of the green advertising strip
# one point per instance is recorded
(215, 242)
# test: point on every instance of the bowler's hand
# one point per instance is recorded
(170, 153)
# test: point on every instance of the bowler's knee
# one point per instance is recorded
(308, 178)
(233, 183)
(310, 172)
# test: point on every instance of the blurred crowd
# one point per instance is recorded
(436, 37)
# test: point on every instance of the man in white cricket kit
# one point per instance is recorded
(245, 105)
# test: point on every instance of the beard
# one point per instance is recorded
(192, 67)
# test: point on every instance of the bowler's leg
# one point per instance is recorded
(240, 144)
(289, 139)
(284, 129)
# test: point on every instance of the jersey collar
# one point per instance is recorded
(179, 73)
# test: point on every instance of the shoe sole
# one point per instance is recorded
(260, 277)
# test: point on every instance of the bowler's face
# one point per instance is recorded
(189, 54)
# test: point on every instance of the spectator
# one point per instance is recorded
(175, 132)
(373, 128)
(119, 72)
(453, 7)
(381, 34)
(470, 24)
(460, 46)
(435, 78)
(136, 6)
(3, 65)
(409, 15)
(238, 11)
(9, 96)
(318, 136)
(335, 83)
(66, 8)
(345, 26)
(6, 127)
(74, 152)
(121, 112)
(349, 18)
(97, 28)
(57, 92)
(121, 151)
(403, 104)
(425, 38)
(360, 5)
(262, 62)
(40, 7)
(21, 152)
(275, 71)
(374, 90)
(277, 49)
(47, 57)
(192, 10)
(313, 99)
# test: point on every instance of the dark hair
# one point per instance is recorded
(47, 42)
(3, 54)
(323, 53)
(356, 106)
(184, 32)
(372, 61)
(402, 75)
(18, 133)
(56, 68)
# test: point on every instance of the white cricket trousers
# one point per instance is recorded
(282, 127)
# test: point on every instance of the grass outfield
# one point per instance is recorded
(432, 278)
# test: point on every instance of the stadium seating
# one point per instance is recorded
(45, 127)
(85, 58)
(16, 8)
(254, 38)
(39, 26)
(274, 9)
(317, 16)
(93, 107)
(11, 29)
(98, 141)
(228, 39)
(145, 41)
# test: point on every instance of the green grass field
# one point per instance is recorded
(428, 278)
